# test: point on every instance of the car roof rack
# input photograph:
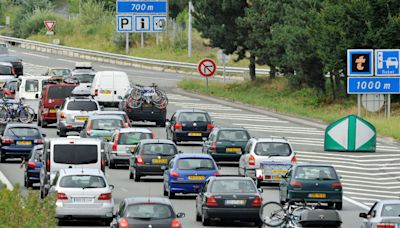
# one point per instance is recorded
(80, 92)
(83, 65)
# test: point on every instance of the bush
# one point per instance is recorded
(33, 22)
(19, 211)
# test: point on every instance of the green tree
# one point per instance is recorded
(175, 7)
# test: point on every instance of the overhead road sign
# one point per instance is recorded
(350, 134)
(124, 23)
(373, 85)
(49, 25)
(207, 67)
(142, 7)
(360, 62)
(387, 62)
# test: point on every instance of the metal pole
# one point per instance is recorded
(359, 104)
(207, 84)
(142, 40)
(157, 38)
(224, 70)
(388, 104)
(190, 29)
(126, 43)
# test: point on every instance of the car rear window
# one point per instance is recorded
(133, 138)
(82, 106)
(5, 70)
(31, 85)
(84, 78)
(60, 92)
(106, 124)
(23, 132)
(193, 116)
(82, 181)
(75, 154)
(390, 210)
(233, 135)
(272, 149)
(315, 173)
(195, 164)
(158, 149)
(60, 72)
(233, 186)
(149, 211)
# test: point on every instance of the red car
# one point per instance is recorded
(52, 95)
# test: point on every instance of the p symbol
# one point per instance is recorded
(125, 24)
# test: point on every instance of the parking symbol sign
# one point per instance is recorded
(387, 62)
(360, 62)
(124, 23)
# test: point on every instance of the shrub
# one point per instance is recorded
(33, 22)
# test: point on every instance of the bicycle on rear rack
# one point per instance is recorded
(273, 214)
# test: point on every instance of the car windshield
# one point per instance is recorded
(195, 164)
(106, 124)
(82, 181)
(133, 138)
(12, 85)
(84, 78)
(23, 132)
(272, 149)
(233, 135)
(149, 211)
(391, 210)
(60, 92)
(158, 149)
(193, 116)
(5, 70)
(60, 72)
(31, 85)
(233, 186)
(82, 106)
(315, 173)
(75, 154)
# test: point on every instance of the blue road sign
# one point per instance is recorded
(387, 62)
(124, 24)
(371, 85)
(145, 7)
(360, 62)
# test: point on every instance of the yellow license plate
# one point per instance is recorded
(234, 150)
(81, 118)
(147, 105)
(317, 195)
(132, 149)
(159, 161)
(24, 143)
(194, 134)
(105, 92)
(52, 110)
(196, 177)
(279, 171)
(277, 178)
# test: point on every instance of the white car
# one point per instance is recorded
(384, 213)
(392, 61)
(266, 159)
(83, 193)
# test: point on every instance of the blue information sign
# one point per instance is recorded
(387, 62)
(371, 85)
(145, 7)
(360, 62)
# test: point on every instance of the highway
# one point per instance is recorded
(367, 177)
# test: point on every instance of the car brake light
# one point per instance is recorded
(39, 141)
(211, 202)
(88, 128)
(50, 101)
(62, 115)
(174, 174)
(210, 126)
(48, 165)
(7, 92)
(123, 223)
(105, 196)
(115, 144)
(216, 174)
(252, 160)
(61, 196)
(103, 168)
(96, 92)
(153, 135)
(293, 160)
(214, 146)
(12, 70)
(5, 140)
(337, 184)
(257, 202)
(386, 225)
(175, 223)
(139, 160)
(296, 184)
(178, 125)
(32, 164)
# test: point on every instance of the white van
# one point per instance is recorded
(108, 87)
(30, 87)
(65, 153)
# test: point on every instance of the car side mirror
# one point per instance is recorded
(180, 152)
(180, 215)
(37, 96)
(260, 190)
(363, 215)
(111, 186)
(44, 135)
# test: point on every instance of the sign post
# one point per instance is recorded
(224, 59)
(207, 68)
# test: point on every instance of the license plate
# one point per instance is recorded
(159, 161)
(105, 91)
(132, 149)
(52, 110)
(317, 195)
(278, 178)
(107, 138)
(235, 202)
(81, 118)
(197, 177)
(194, 134)
(24, 143)
(82, 200)
(234, 150)
(279, 171)
(146, 105)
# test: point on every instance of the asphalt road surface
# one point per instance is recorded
(367, 177)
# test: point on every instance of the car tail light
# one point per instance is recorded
(61, 196)
(210, 126)
(12, 70)
(7, 92)
(48, 165)
(174, 174)
(62, 115)
(175, 223)
(337, 184)
(105, 196)
(257, 202)
(211, 202)
(293, 160)
(139, 160)
(267, 177)
(5, 140)
(39, 141)
(252, 160)
(216, 174)
(153, 135)
(123, 223)
(115, 144)
(96, 92)
(88, 128)
(50, 101)
(259, 177)
(296, 184)
(32, 164)
(103, 168)
(386, 225)
(178, 125)
(214, 146)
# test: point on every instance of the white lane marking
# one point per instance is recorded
(367, 194)
(66, 60)
(363, 198)
(367, 177)
(36, 55)
(242, 115)
(339, 154)
(246, 119)
(5, 181)
(27, 74)
(355, 166)
(371, 191)
(11, 50)
(349, 160)
(347, 184)
(385, 185)
(350, 200)
(281, 127)
(284, 131)
(124, 189)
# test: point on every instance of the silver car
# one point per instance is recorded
(384, 213)
(83, 194)
(7, 73)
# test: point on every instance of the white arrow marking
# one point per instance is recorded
(363, 133)
(340, 134)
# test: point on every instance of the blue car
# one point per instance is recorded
(19, 139)
(187, 173)
(32, 166)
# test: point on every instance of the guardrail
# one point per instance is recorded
(98, 56)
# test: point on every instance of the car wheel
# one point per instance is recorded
(161, 123)
(330, 205)
(198, 216)
(136, 177)
(130, 174)
(39, 123)
(111, 164)
(205, 221)
(2, 158)
(43, 124)
(258, 183)
(27, 183)
(42, 195)
(62, 133)
(171, 194)
(165, 193)
(338, 206)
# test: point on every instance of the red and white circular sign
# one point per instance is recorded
(207, 67)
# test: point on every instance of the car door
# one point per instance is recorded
(106, 88)
(244, 158)
(208, 143)
(200, 198)
(369, 222)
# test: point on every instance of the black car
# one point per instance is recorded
(145, 212)
(15, 61)
(189, 125)
(32, 166)
(151, 157)
(228, 199)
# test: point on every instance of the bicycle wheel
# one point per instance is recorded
(272, 214)
(295, 218)
(26, 115)
(4, 115)
(132, 103)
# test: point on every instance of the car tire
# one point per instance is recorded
(198, 216)
(130, 174)
(39, 123)
(62, 133)
(330, 205)
(42, 195)
(111, 164)
(205, 221)
(136, 177)
(338, 206)
(27, 183)
(171, 195)
(2, 158)
(165, 193)
(258, 183)
(43, 124)
(160, 123)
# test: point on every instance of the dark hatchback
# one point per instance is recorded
(15, 61)
(9, 89)
(189, 125)
(151, 157)
(145, 212)
(226, 144)
(229, 199)
(19, 139)
(32, 166)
